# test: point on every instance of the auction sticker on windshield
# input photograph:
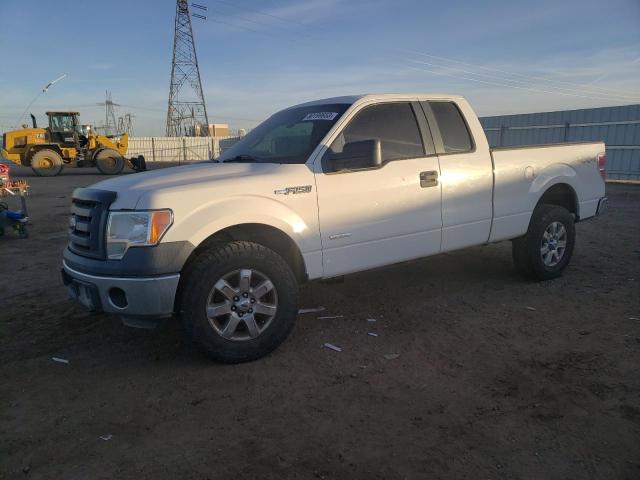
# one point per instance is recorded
(320, 116)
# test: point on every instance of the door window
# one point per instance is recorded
(394, 124)
(453, 129)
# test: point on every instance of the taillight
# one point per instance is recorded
(602, 164)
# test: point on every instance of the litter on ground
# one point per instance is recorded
(391, 356)
(371, 320)
(333, 347)
(531, 308)
(106, 438)
(310, 310)
(372, 334)
(60, 360)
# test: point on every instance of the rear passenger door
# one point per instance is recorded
(466, 176)
(386, 214)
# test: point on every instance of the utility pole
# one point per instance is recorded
(110, 127)
(186, 113)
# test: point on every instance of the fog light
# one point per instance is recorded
(118, 298)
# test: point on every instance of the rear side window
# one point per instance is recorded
(394, 124)
(453, 129)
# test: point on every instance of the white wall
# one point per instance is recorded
(178, 149)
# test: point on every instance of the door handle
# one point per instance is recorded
(429, 179)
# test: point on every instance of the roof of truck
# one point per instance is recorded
(350, 99)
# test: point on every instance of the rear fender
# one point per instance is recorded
(555, 174)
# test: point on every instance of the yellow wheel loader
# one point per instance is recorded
(66, 143)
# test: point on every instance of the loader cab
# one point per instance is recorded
(64, 128)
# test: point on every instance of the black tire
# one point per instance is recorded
(46, 163)
(197, 288)
(142, 164)
(109, 161)
(527, 251)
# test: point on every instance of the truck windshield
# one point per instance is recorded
(288, 136)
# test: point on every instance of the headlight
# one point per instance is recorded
(135, 229)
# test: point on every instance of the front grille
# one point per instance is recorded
(89, 211)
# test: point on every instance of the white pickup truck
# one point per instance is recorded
(320, 190)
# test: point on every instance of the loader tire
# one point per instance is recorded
(46, 163)
(232, 320)
(109, 161)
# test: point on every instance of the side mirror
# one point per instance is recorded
(357, 155)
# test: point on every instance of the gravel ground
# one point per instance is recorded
(495, 377)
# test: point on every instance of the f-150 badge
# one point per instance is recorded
(293, 190)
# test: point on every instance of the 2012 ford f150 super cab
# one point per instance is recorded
(320, 190)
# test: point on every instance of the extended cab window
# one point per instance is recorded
(394, 124)
(453, 129)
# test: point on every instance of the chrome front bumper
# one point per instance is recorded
(141, 297)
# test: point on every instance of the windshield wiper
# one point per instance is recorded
(241, 158)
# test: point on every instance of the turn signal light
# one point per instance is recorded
(160, 221)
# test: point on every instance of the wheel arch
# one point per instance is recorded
(563, 195)
(33, 149)
(266, 235)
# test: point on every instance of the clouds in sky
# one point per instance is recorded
(273, 53)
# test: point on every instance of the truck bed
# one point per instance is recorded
(522, 173)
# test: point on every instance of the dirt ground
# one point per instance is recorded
(496, 377)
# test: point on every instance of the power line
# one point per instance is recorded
(533, 77)
(239, 26)
(240, 17)
(281, 28)
(598, 95)
(262, 32)
(260, 12)
(495, 84)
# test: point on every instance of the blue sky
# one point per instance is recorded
(504, 56)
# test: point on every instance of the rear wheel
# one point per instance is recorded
(46, 163)
(545, 251)
(109, 161)
(238, 301)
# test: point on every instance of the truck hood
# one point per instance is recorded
(131, 188)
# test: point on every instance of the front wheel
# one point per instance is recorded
(238, 301)
(546, 249)
(109, 161)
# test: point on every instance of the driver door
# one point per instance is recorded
(386, 214)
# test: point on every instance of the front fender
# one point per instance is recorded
(199, 224)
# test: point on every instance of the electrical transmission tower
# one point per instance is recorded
(125, 124)
(187, 113)
(110, 127)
